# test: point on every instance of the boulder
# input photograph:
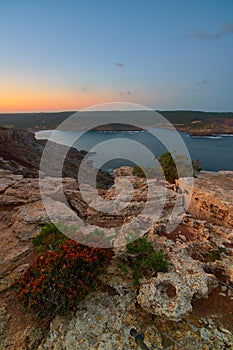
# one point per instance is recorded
(170, 294)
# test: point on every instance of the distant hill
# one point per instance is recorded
(183, 117)
(48, 120)
(33, 121)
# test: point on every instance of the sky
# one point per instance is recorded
(60, 55)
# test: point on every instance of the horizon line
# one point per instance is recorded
(114, 110)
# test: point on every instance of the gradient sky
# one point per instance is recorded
(70, 54)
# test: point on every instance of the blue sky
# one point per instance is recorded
(66, 55)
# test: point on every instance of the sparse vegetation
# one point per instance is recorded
(205, 253)
(144, 260)
(169, 168)
(196, 166)
(144, 172)
(49, 238)
(215, 254)
(138, 171)
(123, 268)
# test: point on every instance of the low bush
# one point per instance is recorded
(62, 275)
(138, 171)
(49, 238)
(168, 164)
(144, 259)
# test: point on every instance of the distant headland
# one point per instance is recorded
(197, 123)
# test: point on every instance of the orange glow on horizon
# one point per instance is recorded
(26, 102)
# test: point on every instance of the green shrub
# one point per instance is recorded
(138, 171)
(144, 259)
(145, 172)
(141, 245)
(196, 166)
(49, 238)
(169, 168)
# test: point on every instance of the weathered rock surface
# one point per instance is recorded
(20, 153)
(211, 198)
(108, 317)
(199, 251)
(171, 294)
(21, 212)
(103, 321)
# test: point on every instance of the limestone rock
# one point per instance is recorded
(170, 294)
(101, 322)
(212, 197)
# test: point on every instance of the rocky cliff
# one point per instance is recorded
(183, 306)
(20, 153)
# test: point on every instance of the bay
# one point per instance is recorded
(110, 150)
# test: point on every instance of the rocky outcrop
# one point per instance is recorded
(109, 317)
(212, 195)
(20, 153)
(105, 318)
(22, 212)
(126, 199)
(199, 254)
(171, 294)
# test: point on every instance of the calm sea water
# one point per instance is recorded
(126, 147)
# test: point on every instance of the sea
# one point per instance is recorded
(112, 149)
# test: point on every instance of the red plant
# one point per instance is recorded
(58, 280)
